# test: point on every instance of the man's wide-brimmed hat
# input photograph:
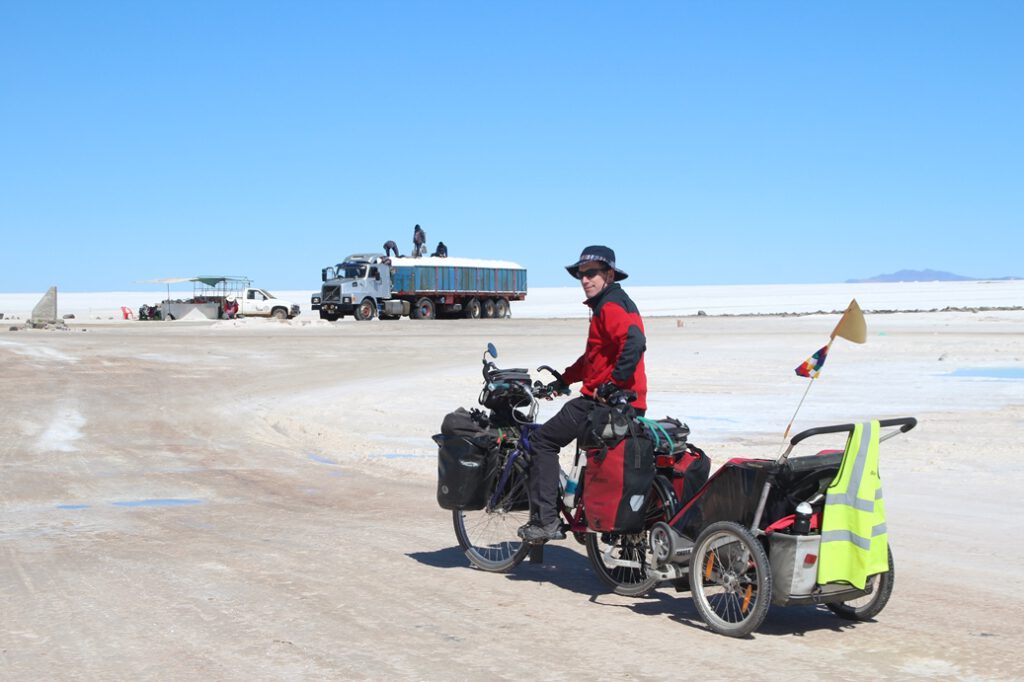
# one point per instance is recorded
(600, 254)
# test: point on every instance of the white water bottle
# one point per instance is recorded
(571, 483)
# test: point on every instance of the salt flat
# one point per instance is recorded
(654, 301)
(249, 499)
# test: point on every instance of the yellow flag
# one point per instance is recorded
(851, 325)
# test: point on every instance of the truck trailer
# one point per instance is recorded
(368, 285)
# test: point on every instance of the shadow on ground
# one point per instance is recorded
(570, 570)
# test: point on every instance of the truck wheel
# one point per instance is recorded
(472, 310)
(488, 308)
(365, 309)
(424, 310)
(501, 309)
(279, 314)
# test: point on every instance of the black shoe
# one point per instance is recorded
(535, 533)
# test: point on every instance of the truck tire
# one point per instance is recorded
(424, 310)
(488, 308)
(279, 314)
(366, 309)
(501, 309)
(472, 310)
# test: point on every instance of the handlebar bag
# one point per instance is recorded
(616, 485)
(466, 461)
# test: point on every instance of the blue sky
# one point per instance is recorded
(708, 143)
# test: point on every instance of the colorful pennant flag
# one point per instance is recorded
(811, 367)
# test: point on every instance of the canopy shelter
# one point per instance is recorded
(208, 295)
(206, 286)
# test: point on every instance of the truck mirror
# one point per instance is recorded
(323, 275)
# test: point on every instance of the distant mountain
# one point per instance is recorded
(923, 276)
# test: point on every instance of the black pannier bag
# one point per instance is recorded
(465, 460)
(669, 435)
(617, 482)
(690, 466)
(605, 427)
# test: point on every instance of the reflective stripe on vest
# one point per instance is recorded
(854, 538)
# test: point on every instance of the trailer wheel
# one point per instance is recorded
(424, 310)
(501, 309)
(472, 310)
(365, 309)
(488, 308)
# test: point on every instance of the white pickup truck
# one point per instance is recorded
(221, 302)
(254, 302)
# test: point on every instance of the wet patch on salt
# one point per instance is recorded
(321, 459)
(158, 502)
(1009, 373)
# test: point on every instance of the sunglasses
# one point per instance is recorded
(592, 272)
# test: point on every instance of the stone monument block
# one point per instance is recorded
(45, 311)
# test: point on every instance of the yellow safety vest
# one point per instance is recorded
(854, 542)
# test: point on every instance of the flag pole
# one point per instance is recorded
(807, 390)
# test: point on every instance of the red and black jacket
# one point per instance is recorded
(615, 347)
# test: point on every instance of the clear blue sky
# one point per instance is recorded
(708, 143)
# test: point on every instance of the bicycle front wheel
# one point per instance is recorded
(489, 535)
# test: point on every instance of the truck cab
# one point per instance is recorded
(356, 286)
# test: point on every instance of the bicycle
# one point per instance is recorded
(488, 535)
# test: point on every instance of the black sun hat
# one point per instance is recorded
(601, 254)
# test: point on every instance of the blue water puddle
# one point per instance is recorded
(320, 459)
(727, 420)
(1011, 373)
(158, 502)
(72, 506)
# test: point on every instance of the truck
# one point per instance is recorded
(212, 295)
(368, 285)
(255, 302)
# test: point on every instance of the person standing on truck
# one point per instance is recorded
(612, 361)
(391, 247)
(442, 251)
(419, 241)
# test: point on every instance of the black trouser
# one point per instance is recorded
(545, 444)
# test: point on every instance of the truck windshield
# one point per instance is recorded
(351, 271)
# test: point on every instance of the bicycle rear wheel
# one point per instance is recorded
(489, 535)
(620, 560)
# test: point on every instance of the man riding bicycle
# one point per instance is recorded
(612, 362)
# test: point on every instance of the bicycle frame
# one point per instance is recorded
(573, 516)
